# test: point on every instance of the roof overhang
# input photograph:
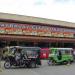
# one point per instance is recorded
(30, 19)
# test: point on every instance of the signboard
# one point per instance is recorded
(35, 30)
(68, 35)
(57, 34)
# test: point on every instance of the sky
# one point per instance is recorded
(52, 9)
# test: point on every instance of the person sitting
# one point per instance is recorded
(18, 56)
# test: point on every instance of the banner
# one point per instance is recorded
(35, 30)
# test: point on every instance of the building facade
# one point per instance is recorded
(34, 31)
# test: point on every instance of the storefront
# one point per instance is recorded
(36, 35)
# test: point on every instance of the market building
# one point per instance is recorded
(34, 31)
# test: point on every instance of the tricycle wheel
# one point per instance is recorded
(69, 62)
(65, 62)
(7, 65)
(49, 62)
(32, 65)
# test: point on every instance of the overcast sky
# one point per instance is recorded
(52, 9)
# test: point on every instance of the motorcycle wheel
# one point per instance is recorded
(7, 65)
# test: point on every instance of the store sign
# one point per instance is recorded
(37, 30)
(57, 34)
(68, 35)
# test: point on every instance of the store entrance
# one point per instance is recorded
(2, 44)
(37, 44)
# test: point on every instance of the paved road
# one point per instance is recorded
(43, 70)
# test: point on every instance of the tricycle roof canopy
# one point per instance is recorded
(63, 48)
(21, 47)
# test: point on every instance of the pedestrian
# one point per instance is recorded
(0, 59)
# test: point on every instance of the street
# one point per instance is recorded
(42, 70)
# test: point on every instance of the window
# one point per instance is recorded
(67, 52)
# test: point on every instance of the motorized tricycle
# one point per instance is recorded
(60, 56)
(23, 57)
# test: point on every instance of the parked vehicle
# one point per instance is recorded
(60, 56)
(44, 53)
(25, 57)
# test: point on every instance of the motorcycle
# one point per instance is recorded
(10, 61)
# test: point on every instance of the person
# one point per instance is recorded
(0, 59)
(13, 50)
(59, 55)
(18, 56)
